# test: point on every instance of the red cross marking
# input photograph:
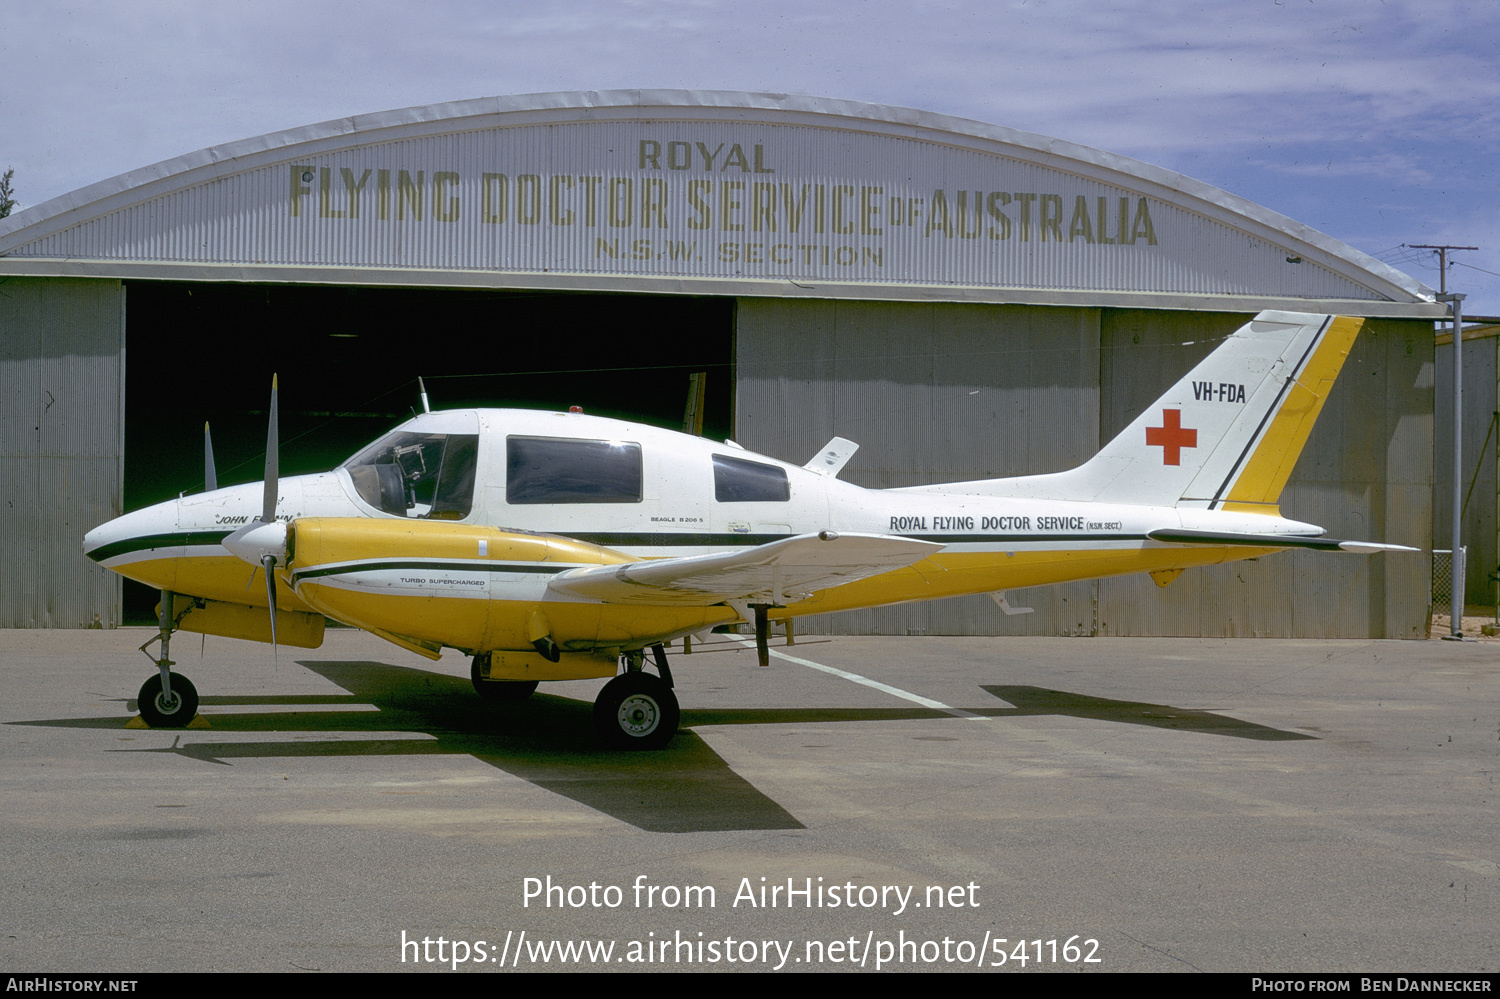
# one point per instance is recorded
(1171, 437)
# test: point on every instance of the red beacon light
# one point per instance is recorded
(575, 409)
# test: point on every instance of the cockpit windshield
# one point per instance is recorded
(418, 474)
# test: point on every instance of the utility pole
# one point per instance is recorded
(1458, 563)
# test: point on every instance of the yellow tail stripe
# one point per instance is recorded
(1266, 472)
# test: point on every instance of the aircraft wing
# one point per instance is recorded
(1219, 538)
(778, 572)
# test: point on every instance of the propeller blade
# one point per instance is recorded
(263, 542)
(268, 562)
(210, 477)
(273, 462)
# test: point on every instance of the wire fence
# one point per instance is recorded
(1442, 578)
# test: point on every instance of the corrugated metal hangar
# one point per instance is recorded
(964, 300)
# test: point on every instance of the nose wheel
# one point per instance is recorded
(173, 707)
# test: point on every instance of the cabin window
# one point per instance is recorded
(565, 470)
(418, 475)
(739, 481)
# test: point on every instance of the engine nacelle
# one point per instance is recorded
(427, 584)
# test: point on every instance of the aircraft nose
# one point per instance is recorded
(106, 534)
(112, 536)
(98, 536)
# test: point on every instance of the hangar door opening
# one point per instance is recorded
(348, 359)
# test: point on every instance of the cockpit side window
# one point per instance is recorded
(455, 485)
(739, 481)
(565, 470)
(418, 475)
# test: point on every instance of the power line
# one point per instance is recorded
(1460, 263)
(1442, 251)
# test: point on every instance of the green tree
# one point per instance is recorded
(6, 201)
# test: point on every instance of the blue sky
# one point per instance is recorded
(1373, 121)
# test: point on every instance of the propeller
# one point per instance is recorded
(262, 542)
(273, 462)
(210, 477)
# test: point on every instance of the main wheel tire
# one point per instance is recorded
(159, 711)
(498, 690)
(636, 711)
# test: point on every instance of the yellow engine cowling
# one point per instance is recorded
(427, 584)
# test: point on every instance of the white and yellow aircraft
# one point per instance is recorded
(557, 546)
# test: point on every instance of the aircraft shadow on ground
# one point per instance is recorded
(1041, 701)
(549, 741)
(546, 740)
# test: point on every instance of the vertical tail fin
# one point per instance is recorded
(1227, 435)
(1253, 482)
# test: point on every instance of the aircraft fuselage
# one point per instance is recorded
(665, 494)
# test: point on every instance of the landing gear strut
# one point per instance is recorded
(167, 700)
(763, 633)
(636, 710)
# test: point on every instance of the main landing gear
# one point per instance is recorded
(636, 710)
(167, 700)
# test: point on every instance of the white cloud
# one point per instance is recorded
(1404, 169)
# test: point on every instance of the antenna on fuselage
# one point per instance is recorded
(426, 407)
(692, 415)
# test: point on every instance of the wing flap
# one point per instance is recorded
(775, 573)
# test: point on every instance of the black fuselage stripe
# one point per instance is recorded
(211, 538)
(183, 539)
(742, 540)
(380, 565)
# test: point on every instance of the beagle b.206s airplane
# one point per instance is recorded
(557, 546)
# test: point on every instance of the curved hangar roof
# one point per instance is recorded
(699, 192)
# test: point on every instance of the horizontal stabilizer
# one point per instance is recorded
(1216, 538)
(999, 597)
(777, 573)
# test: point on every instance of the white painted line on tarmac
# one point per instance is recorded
(925, 702)
(278, 709)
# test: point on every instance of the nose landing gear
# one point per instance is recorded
(167, 700)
